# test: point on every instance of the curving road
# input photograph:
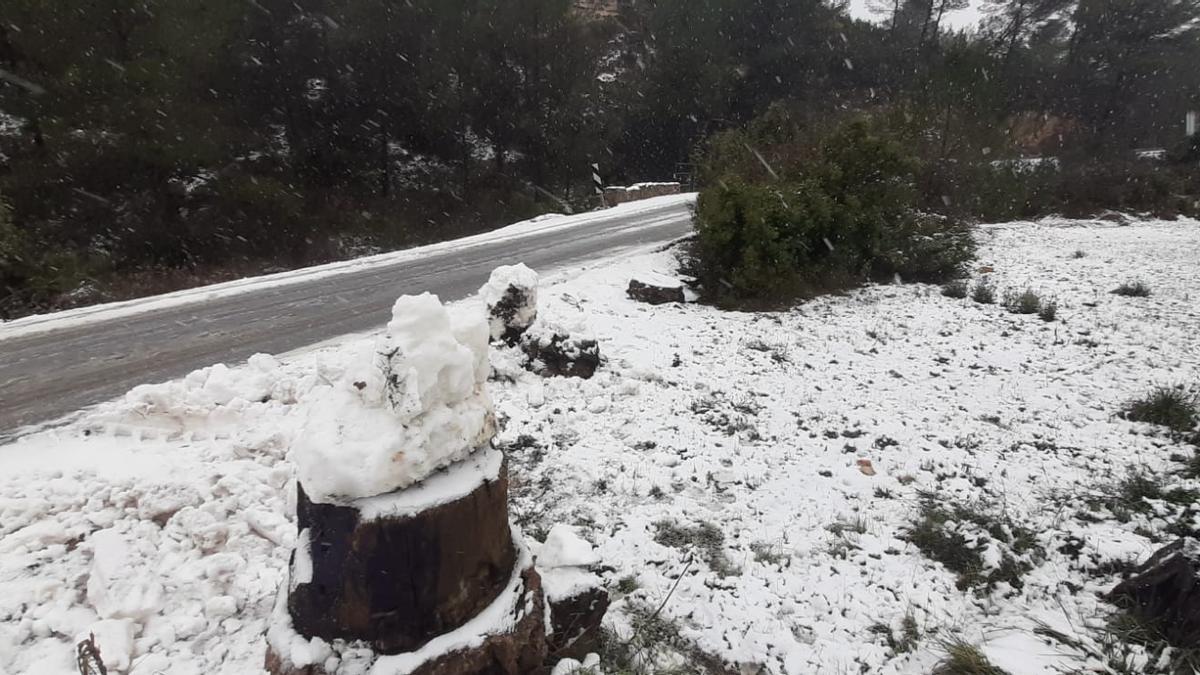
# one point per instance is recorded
(56, 365)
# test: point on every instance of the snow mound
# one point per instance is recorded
(563, 560)
(117, 587)
(565, 548)
(413, 403)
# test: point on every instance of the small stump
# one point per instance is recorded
(576, 596)
(575, 616)
(1165, 591)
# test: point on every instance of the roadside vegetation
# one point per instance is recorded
(831, 213)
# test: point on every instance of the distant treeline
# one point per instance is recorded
(146, 144)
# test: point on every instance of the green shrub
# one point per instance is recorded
(1049, 312)
(989, 191)
(983, 293)
(1135, 289)
(924, 248)
(1171, 407)
(956, 289)
(1000, 190)
(757, 240)
(846, 217)
(1026, 302)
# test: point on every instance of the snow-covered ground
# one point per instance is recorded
(715, 461)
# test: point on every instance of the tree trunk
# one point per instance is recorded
(429, 577)
(399, 582)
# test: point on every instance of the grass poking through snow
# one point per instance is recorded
(963, 658)
(960, 536)
(706, 539)
(1171, 407)
(1026, 302)
(956, 289)
(1133, 289)
(984, 293)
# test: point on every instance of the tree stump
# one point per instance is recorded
(400, 575)
(398, 582)
(575, 619)
(1165, 590)
(576, 596)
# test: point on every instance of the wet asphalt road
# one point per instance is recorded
(47, 375)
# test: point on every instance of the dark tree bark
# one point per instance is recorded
(399, 582)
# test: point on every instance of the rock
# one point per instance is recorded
(865, 466)
(561, 355)
(511, 298)
(1165, 590)
(660, 293)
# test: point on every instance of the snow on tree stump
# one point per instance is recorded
(656, 290)
(511, 298)
(405, 560)
(576, 596)
(1165, 590)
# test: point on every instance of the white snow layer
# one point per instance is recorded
(562, 560)
(413, 405)
(750, 423)
(565, 548)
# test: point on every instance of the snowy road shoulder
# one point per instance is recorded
(716, 462)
